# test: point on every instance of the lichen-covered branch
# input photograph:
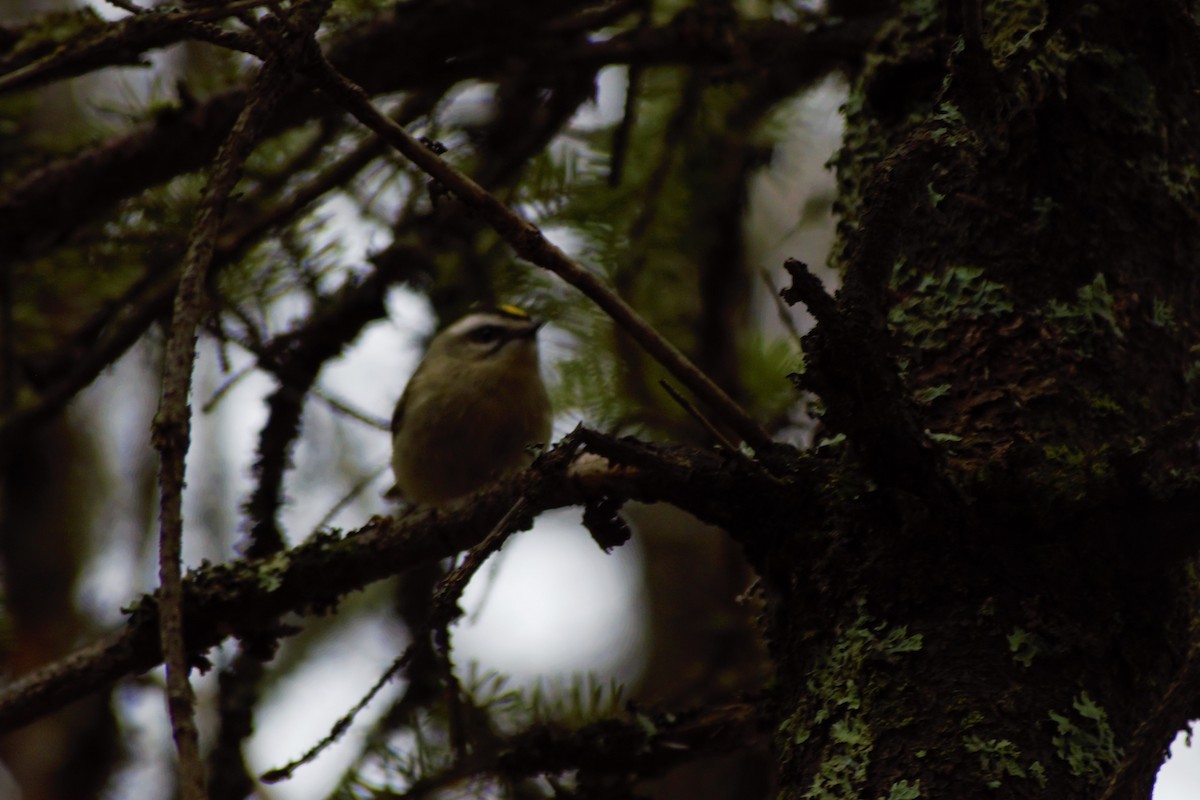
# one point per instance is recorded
(250, 595)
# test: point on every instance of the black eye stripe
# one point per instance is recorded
(486, 334)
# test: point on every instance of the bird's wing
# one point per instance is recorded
(398, 414)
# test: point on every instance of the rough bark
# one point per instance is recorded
(1019, 245)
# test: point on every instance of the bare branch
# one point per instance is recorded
(172, 425)
(124, 42)
(528, 242)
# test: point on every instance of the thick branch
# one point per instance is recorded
(248, 596)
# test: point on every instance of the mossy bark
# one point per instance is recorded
(1041, 313)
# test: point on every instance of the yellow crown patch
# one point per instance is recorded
(512, 311)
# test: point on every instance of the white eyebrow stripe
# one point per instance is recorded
(469, 322)
(473, 321)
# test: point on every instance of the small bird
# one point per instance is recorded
(473, 411)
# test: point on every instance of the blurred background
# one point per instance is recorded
(686, 194)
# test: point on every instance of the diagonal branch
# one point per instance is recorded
(529, 243)
(124, 42)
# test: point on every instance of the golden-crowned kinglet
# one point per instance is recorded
(472, 411)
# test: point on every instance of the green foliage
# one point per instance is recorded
(764, 366)
(348, 13)
(583, 699)
(49, 30)
(648, 236)
(418, 752)
(588, 381)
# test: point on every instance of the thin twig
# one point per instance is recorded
(729, 446)
(172, 423)
(624, 130)
(445, 600)
(445, 610)
(445, 605)
(226, 387)
(349, 496)
(529, 243)
(342, 407)
(125, 5)
(695, 414)
(343, 723)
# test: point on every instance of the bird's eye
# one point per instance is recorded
(486, 334)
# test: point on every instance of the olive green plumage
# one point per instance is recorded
(473, 410)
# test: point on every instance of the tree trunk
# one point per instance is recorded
(998, 597)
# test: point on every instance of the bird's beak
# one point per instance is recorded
(529, 331)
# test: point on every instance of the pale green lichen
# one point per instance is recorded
(270, 573)
(903, 790)
(1105, 404)
(1074, 473)
(931, 393)
(1000, 759)
(1086, 742)
(935, 301)
(841, 682)
(1163, 315)
(1024, 646)
(1092, 310)
(1192, 370)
